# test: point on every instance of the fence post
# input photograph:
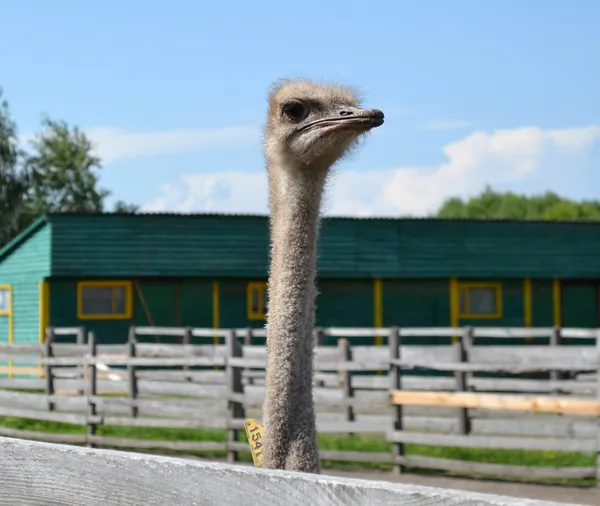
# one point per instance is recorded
(395, 341)
(186, 340)
(48, 372)
(555, 340)
(598, 418)
(234, 389)
(92, 388)
(80, 341)
(248, 338)
(461, 348)
(131, 372)
(319, 338)
(348, 391)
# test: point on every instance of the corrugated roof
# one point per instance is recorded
(335, 217)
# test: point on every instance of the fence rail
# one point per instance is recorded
(41, 473)
(432, 394)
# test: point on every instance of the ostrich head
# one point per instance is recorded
(314, 125)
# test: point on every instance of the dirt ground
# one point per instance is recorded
(576, 495)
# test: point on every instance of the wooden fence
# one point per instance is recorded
(41, 473)
(140, 384)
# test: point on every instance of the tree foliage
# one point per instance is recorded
(58, 173)
(508, 205)
(12, 181)
(63, 171)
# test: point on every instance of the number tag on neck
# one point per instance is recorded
(254, 432)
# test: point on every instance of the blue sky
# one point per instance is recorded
(174, 93)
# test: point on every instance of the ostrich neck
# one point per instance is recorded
(290, 428)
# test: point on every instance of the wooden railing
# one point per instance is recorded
(176, 385)
(39, 473)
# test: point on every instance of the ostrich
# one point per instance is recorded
(309, 128)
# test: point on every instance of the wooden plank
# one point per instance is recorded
(497, 442)
(138, 362)
(324, 397)
(203, 377)
(141, 444)
(354, 332)
(498, 469)
(70, 475)
(66, 331)
(20, 349)
(179, 350)
(511, 332)
(541, 357)
(209, 332)
(160, 331)
(22, 383)
(324, 354)
(189, 389)
(579, 333)
(427, 332)
(45, 437)
(381, 355)
(353, 456)
(207, 422)
(493, 401)
(486, 367)
(49, 416)
(598, 419)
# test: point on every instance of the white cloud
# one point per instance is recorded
(239, 192)
(496, 158)
(114, 143)
(445, 124)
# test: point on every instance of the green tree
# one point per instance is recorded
(58, 174)
(63, 171)
(509, 205)
(12, 177)
(123, 207)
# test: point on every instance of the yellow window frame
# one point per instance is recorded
(7, 312)
(260, 287)
(127, 285)
(497, 314)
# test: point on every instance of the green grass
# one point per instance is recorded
(330, 442)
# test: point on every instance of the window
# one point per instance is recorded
(257, 300)
(5, 299)
(480, 300)
(104, 300)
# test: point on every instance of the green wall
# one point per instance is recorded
(340, 303)
(542, 303)
(345, 303)
(163, 303)
(416, 303)
(233, 309)
(580, 304)
(23, 269)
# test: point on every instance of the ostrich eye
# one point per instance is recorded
(295, 111)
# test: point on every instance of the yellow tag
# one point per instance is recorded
(254, 431)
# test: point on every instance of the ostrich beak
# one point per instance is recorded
(352, 117)
(371, 117)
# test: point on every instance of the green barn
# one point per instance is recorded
(108, 271)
